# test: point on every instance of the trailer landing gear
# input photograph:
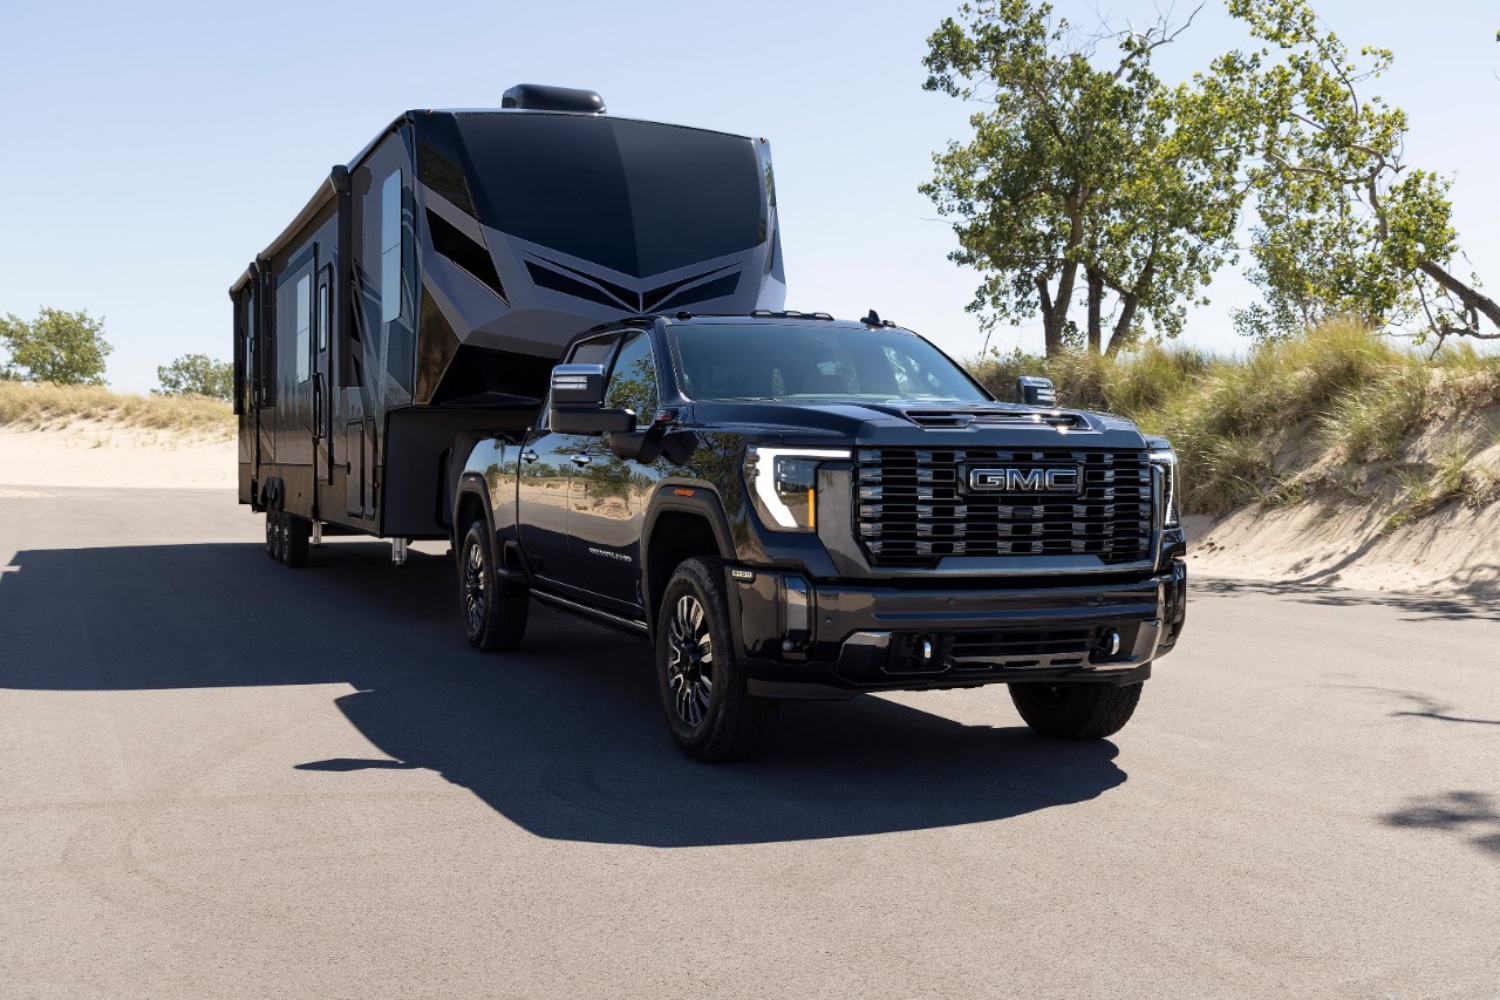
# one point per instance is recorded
(398, 550)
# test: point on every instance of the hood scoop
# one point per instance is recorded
(959, 419)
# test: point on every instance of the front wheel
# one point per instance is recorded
(1086, 711)
(494, 608)
(709, 710)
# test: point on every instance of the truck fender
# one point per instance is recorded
(679, 498)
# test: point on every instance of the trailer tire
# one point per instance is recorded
(494, 608)
(710, 712)
(296, 532)
(1076, 711)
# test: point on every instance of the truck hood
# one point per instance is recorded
(912, 424)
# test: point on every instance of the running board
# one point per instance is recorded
(620, 624)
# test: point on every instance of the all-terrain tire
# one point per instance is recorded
(494, 608)
(719, 720)
(1076, 711)
(296, 532)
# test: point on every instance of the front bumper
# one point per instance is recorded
(802, 640)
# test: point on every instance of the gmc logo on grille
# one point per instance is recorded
(1064, 480)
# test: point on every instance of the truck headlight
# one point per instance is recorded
(784, 484)
(1170, 499)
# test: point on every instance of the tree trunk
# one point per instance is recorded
(1096, 302)
(1121, 335)
(1051, 332)
(1470, 297)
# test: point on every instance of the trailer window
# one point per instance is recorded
(390, 248)
(304, 326)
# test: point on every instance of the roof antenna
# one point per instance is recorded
(873, 319)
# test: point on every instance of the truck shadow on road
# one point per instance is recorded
(563, 738)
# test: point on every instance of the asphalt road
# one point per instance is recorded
(223, 778)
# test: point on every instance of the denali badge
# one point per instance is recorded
(1063, 480)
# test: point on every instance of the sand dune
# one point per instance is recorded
(102, 453)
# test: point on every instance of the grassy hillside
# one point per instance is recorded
(1335, 416)
(41, 407)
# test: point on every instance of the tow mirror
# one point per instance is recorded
(578, 403)
(1032, 390)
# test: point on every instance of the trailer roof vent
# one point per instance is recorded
(540, 97)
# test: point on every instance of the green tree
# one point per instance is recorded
(1346, 225)
(197, 374)
(1084, 174)
(58, 346)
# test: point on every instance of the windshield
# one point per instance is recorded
(636, 197)
(823, 362)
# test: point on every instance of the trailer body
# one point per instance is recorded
(429, 285)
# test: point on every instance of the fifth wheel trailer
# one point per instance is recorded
(429, 285)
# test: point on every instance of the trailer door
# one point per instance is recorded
(322, 429)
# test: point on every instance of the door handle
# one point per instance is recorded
(581, 460)
(528, 456)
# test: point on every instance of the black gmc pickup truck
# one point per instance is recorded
(790, 506)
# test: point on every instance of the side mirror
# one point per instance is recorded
(578, 403)
(1032, 390)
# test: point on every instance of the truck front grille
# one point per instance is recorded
(915, 505)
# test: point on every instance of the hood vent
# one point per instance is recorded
(1011, 418)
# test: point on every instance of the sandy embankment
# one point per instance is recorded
(1453, 551)
(104, 454)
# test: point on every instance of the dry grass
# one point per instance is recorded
(45, 407)
(1325, 415)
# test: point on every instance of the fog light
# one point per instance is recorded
(1109, 643)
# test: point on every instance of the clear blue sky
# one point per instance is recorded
(151, 149)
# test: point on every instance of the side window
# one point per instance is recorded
(594, 352)
(304, 326)
(390, 248)
(632, 383)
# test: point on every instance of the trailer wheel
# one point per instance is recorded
(494, 608)
(1076, 711)
(295, 534)
(709, 710)
(273, 534)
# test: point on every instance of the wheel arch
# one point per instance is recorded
(678, 527)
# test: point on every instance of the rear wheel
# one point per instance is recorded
(1076, 711)
(494, 608)
(295, 534)
(709, 710)
(273, 534)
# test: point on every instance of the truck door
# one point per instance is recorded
(608, 494)
(542, 499)
(546, 471)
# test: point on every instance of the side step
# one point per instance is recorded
(629, 626)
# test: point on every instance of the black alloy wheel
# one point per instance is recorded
(690, 661)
